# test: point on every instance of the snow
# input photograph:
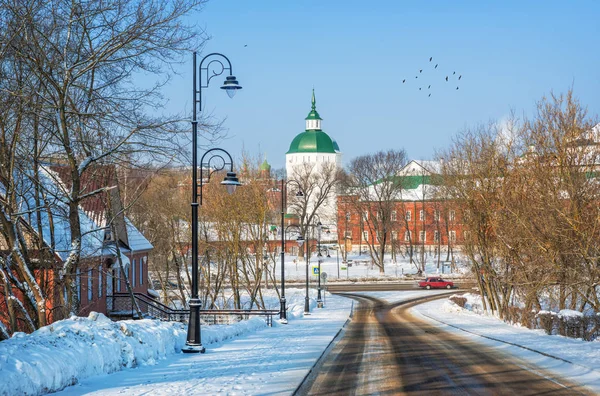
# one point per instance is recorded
(571, 358)
(97, 356)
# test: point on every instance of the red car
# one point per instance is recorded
(435, 282)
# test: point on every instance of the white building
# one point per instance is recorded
(317, 149)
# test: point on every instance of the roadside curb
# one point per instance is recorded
(331, 344)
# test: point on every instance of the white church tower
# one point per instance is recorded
(315, 147)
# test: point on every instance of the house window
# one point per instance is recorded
(348, 216)
(421, 215)
(366, 236)
(118, 280)
(452, 215)
(452, 236)
(436, 215)
(78, 282)
(133, 272)
(407, 236)
(378, 215)
(394, 235)
(99, 282)
(126, 275)
(436, 236)
(349, 234)
(90, 285)
(142, 261)
(408, 215)
(393, 216)
(422, 236)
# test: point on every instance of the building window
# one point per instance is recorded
(366, 236)
(365, 216)
(349, 234)
(393, 216)
(118, 279)
(394, 235)
(436, 236)
(452, 236)
(466, 235)
(99, 282)
(436, 215)
(133, 272)
(90, 285)
(142, 261)
(407, 236)
(348, 216)
(452, 215)
(421, 215)
(422, 236)
(408, 215)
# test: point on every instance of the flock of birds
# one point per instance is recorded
(449, 77)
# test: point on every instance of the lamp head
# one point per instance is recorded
(231, 182)
(231, 85)
(299, 193)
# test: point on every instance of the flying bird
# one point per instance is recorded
(446, 78)
(429, 95)
(429, 87)
(245, 45)
(416, 76)
(420, 70)
(403, 81)
(419, 88)
(459, 77)
(430, 59)
(456, 87)
(453, 73)
(436, 65)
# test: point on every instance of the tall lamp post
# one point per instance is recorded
(282, 308)
(216, 65)
(319, 299)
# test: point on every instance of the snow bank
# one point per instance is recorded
(57, 355)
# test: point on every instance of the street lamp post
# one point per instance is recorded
(194, 342)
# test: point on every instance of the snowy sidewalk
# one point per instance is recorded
(269, 361)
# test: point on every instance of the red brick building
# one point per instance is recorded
(420, 216)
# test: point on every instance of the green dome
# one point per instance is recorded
(265, 166)
(312, 141)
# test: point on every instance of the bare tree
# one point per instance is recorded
(373, 179)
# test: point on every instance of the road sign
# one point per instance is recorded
(324, 275)
(315, 270)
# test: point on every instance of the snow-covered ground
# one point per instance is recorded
(97, 356)
(361, 267)
(571, 358)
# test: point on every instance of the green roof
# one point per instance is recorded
(265, 166)
(312, 141)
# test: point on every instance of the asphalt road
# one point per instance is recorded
(386, 351)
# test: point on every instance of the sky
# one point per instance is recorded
(356, 53)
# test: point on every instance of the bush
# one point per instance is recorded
(458, 300)
(546, 321)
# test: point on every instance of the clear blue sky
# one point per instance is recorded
(356, 54)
